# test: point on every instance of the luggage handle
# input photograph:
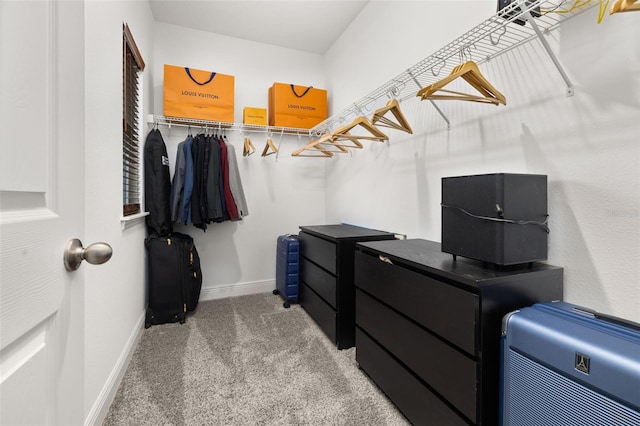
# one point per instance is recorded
(213, 74)
(608, 318)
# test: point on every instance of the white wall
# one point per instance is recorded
(282, 193)
(586, 144)
(389, 36)
(115, 291)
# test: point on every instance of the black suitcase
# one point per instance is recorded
(174, 278)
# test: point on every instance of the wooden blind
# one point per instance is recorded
(132, 66)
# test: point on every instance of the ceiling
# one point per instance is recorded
(307, 25)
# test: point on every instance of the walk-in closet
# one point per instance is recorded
(320, 212)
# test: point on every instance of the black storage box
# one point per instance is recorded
(535, 12)
(498, 218)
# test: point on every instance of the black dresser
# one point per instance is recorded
(428, 327)
(326, 288)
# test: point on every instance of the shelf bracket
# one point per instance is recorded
(553, 57)
(415, 80)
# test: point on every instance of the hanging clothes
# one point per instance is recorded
(235, 183)
(177, 184)
(229, 202)
(206, 185)
(198, 198)
(214, 203)
(204, 179)
(188, 182)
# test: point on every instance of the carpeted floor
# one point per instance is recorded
(246, 361)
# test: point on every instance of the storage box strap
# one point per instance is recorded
(213, 74)
(293, 89)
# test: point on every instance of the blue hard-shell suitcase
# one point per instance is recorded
(567, 365)
(287, 268)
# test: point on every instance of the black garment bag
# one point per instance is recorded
(157, 184)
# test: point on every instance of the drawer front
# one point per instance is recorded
(320, 280)
(449, 372)
(412, 397)
(319, 310)
(319, 251)
(448, 311)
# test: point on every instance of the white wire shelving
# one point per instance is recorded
(197, 125)
(491, 38)
(495, 36)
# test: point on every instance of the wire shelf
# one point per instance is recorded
(487, 40)
(222, 125)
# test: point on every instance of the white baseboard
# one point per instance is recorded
(232, 290)
(101, 407)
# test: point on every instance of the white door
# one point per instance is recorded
(41, 209)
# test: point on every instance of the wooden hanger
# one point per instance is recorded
(248, 147)
(269, 146)
(334, 142)
(392, 106)
(624, 6)
(470, 72)
(375, 134)
(325, 152)
(353, 141)
(323, 144)
(328, 140)
(318, 151)
(331, 139)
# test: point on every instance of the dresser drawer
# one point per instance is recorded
(319, 310)
(319, 280)
(412, 397)
(319, 251)
(445, 369)
(447, 311)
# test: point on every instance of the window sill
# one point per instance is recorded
(134, 219)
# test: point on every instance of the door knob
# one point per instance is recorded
(96, 254)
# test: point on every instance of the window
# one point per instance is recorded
(132, 67)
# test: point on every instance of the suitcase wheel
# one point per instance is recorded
(286, 304)
(276, 291)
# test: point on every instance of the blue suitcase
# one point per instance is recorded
(287, 268)
(567, 365)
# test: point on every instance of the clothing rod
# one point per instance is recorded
(154, 120)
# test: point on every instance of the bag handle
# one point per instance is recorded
(293, 89)
(213, 74)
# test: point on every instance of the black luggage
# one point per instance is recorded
(174, 278)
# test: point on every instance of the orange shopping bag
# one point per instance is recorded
(296, 106)
(202, 95)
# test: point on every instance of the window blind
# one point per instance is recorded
(132, 66)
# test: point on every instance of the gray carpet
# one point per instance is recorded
(246, 361)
